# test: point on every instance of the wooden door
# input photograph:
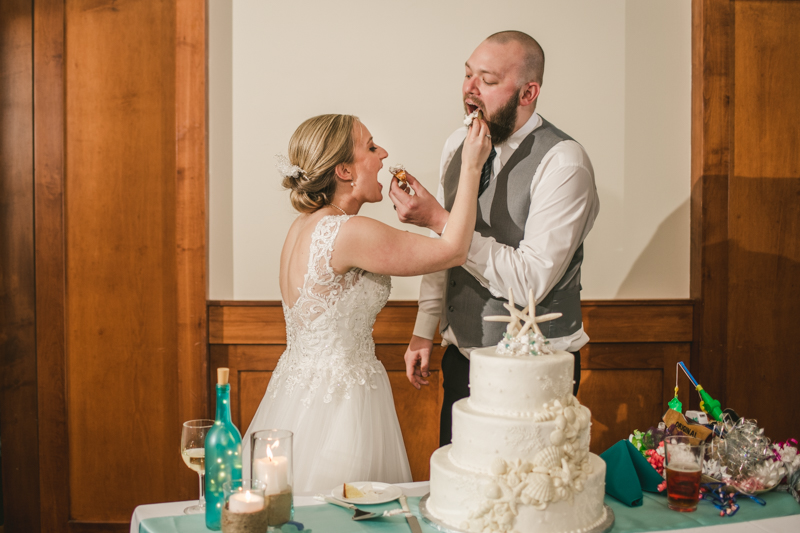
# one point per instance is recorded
(102, 176)
(745, 198)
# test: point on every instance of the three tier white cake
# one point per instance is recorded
(520, 460)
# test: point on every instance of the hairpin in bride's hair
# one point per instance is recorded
(287, 169)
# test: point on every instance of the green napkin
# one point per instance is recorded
(628, 473)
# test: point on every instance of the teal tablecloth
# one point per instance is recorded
(653, 515)
(318, 518)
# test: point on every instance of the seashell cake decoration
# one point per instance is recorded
(523, 336)
(556, 473)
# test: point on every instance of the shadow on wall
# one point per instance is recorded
(663, 266)
(763, 303)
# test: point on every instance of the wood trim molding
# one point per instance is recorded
(605, 321)
(18, 379)
(191, 134)
(713, 28)
(51, 289)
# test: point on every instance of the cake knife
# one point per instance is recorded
(413, 523)
(358, 514)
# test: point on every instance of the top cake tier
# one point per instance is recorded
(518, 385)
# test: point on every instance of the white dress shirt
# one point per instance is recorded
(564, 206)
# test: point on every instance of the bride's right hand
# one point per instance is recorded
(477, 146)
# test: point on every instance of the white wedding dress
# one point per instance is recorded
(328, 387)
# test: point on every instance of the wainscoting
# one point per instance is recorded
(628, 368)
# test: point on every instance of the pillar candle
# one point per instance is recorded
(273, 472)
(245, 502)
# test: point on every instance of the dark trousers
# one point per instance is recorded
(455, 376)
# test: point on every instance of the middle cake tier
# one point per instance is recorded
(479, 438)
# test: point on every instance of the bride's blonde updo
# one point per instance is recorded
(316, 147)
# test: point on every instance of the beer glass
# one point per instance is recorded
(684, 465)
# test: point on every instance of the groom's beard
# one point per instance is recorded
(504, 120)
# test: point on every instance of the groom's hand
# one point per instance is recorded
(421, 209)
(418, 356)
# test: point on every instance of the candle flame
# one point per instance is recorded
(269, 453)
(248, 496)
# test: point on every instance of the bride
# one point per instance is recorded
(328, 387)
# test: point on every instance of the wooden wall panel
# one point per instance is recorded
(629, 365)
(418, 414)
(638, 320)
(661, 356)
(121, 263)
(766, 78)
(102, 202)
(745, 190)
(233, 324)
(764, 299)
(18, 386)
(51, 319)
(621, 401)
(764, 225)
(252, 387)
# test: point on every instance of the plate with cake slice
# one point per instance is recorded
(366, 492)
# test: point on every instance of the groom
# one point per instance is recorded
(537, 203)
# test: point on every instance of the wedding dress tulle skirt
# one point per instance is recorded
(347, 439)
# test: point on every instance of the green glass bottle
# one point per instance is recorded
(223, 453)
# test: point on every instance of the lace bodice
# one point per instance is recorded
(329, 341)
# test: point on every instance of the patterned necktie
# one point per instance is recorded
(486, 173)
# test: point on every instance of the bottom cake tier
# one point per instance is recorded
(459, 498)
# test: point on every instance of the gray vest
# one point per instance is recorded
(502, 213)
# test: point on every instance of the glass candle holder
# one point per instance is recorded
(271, 464)
(245, 509)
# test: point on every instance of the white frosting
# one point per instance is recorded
(520, 458)
(511, 438)
(518, 386)
(456, 494)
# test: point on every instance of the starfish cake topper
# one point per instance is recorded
(523, 336)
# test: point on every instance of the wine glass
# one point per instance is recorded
(193, 451)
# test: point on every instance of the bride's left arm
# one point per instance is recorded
(377, 247)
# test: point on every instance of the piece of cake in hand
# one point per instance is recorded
(399, 172)
(472, 116)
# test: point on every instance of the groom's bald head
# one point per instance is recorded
(532, 68)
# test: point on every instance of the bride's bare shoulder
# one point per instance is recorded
(300, 222)
(360, 223)
(360, 230)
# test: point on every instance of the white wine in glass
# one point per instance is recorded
(195, 458)
(193, 451)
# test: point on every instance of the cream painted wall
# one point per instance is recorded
(617, 79)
